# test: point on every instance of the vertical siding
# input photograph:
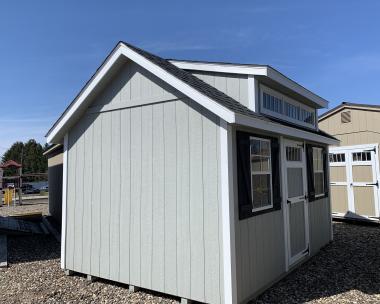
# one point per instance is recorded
(132, 83)
(319, 224)
(143, 199)
(260, 249)
(235, 86)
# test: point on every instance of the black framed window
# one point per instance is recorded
(317, 168)
(258, 170)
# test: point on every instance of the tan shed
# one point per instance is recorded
(354, 166)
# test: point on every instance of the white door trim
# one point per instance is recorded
(292, 260)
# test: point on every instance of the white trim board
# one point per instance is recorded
(260, 70)
(282, 129)
(64, 201)
(228, 216)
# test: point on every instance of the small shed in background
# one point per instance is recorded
(354, 165)
(55, 170)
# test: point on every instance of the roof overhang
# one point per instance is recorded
(122, 52)
(283, 130)
(347, 105)
(80, 103)
(264, 72)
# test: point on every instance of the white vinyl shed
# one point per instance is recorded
(207, 181)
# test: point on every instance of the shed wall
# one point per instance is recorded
(234, 85)
(55, 173)
(260, 242)
(363, 128)
(143, 195)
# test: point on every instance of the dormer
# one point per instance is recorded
(260, 88)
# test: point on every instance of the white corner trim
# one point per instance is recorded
(123, 50)
(64, 201)
(228, 214)
(282, 129)
(252, 93)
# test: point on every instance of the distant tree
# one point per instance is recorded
(29, 155)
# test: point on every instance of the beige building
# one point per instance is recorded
(354, 165)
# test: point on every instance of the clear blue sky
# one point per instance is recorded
(49, 49)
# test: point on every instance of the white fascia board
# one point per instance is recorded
(51, 137)
(221, 68)
(253, 70)
(282, 129)
(123, 50)
(294, 86)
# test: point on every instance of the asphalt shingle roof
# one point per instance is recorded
(214, 93)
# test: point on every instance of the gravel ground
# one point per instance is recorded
(346, 271)
(38, 205)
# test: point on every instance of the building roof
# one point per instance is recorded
(349, 105)
(10, 164)
(208, 96)
(195, 82)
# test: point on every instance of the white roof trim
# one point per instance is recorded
(252, 70)
(283, 130)
(122, 50)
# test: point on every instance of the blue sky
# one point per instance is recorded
(49, 49)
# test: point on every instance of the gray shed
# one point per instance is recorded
(207, 181)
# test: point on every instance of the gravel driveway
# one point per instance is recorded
(346, 271)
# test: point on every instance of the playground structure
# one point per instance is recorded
(10, 184)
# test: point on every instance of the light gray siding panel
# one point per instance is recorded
(319, 222)
(183, 203)
(211, 208)
(170, 197)
(115, 192)
(125, 201)
(261, 252)
(235, 86)
(132, 83)
(70, 211)
(135, 241)
(147, 197)
(105, 195)
(79, 171)
(97, 195)
(87, 195)
(151, 204)
(196, 205)
(158, 255)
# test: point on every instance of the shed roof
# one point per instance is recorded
(208, 96)
(349, 105)
(10, 164)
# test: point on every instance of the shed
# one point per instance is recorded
(55, 170)
(355, 164)
(207, 181)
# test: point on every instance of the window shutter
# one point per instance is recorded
(276, 182)
(310, 173)
(244, 175)
(325, 168)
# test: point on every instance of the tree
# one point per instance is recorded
(29, 155)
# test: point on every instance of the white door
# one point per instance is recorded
(361, 181)
(296, 217)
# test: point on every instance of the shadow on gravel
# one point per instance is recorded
(351, 262)
(22, 249)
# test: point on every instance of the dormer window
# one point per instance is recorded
(278, 105)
